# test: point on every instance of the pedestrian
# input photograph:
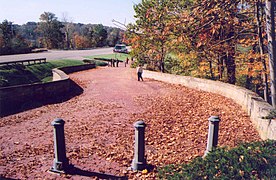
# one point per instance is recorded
(140, 72)
(127, 60)
(117, 62)
(113, 62)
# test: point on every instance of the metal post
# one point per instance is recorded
(60, 162)
(139, 161)
(212, 134)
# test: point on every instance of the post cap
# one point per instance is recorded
(214, 119)
(139, 124)
(58, 122)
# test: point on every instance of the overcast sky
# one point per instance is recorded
(79, 11)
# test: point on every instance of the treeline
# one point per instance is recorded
(223, 40)
(51, 33)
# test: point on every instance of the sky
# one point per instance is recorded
(77, 11)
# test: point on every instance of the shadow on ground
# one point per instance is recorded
(80, 172)
(75, 90)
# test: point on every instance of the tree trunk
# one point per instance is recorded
(231, 69)
(248, 83)
(211, 69)
(259, 15)
(270, 27)
(220, 67)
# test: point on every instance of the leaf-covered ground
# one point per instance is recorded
(99, 127)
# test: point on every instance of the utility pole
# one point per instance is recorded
(270, 28)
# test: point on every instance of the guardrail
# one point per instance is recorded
(28, 61)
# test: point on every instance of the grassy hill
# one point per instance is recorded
(11, 75)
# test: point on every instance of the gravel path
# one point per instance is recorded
(99, 127)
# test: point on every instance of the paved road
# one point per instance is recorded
(57, 54)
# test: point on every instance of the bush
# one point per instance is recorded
(247, 161)
(96, 62)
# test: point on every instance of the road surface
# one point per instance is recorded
(57, 54)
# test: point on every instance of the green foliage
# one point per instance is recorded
(10, 41)
(152, 35)
(96, 62)
(174, 65)
(19, 74)
(50, 28)
(247, 161)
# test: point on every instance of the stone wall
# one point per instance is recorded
(14, 98)
(253, 104)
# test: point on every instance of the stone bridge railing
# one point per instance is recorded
(253, 104)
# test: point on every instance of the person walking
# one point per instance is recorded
(140, 72)
(117, 62)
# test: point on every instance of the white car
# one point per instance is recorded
(120, 48)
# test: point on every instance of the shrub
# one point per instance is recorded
(247, 161)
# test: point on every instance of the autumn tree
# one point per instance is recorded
(50, 28)
(214, 28)
(152, 32)
(81, 42)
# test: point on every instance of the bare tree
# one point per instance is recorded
(270, 27)
(259, 18)
(68, 30)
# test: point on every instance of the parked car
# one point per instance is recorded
(120, 48)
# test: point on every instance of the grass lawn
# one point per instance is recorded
(12, 75)
(119, 56)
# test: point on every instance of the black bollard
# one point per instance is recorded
(61, 163)
(139, 161)
(212, 134)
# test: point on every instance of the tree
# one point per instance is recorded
(10, 41)
(50, 28)
(270, 25)
(7, 33)
(68, 30)
(81, 42)
(29, 32)
(97, 35)
(214, 28)
(151, 34)
(114, 36)
(259, 19)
